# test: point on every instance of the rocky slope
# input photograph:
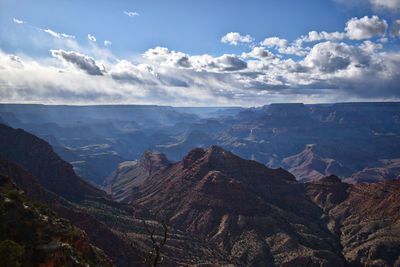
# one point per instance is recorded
(222, 209)
(110, 225)
(386, 169)
(99, 234)
(347, 137)
(41, 236)
(259, 215)
(131, 173)
(38, 157)
(58, 187)
(263, 216)
(364, 216)
(309, 166)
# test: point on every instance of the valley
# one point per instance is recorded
(200, 133)
(220, 209)
(311, 141)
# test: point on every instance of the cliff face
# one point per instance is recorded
(346, 139)
(386, 169)
(364, 216)
(38, 158)
(309, 166)
(131, 173)
(41, 237)
(263, 216)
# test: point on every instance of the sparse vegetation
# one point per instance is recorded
(152, 258)
(11, 253)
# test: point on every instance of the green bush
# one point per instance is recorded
(11, 253)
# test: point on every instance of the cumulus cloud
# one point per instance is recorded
(230, 63)
(259, 52)
(163, 56)
(224, 63)
(356, 29)
(274, 42)
(329, 57)
(18, 21)
(395, 28)
(11, 61)
(107, 42)
(125, 71)
(314, 36)
(83, 62)
(365, 27)
(332, 69)
(131, 13)
(281, 45)
(91, 38)
(234, 38)
(296, 49)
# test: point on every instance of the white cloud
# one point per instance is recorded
(387, 4)
(330, 72)
(365, 28)
(281, 45)
(18, 21)
(383, 40)
(91, 38)
(107, 42)
(332, 69)
(59, 35)
(392, 6)
(67, 36)
(52, 33)
(314, 36)
(395, 28)
(164, 57)
(356, 29)
(131, 13)
(259, 52)
(234, 38)
(274, 42)
(293, 50)
(329, 57)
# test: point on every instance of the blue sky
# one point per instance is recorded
(199, 52)
(192, 27)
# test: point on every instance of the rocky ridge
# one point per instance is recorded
(264, 216)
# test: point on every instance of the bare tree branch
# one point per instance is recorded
(152, 258)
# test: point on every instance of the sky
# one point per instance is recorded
(199, 53)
